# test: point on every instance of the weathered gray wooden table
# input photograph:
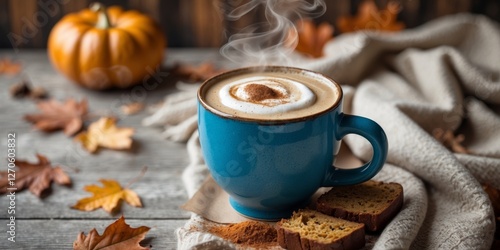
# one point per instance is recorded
(50, 223)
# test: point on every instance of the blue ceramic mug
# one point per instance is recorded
(270, 167)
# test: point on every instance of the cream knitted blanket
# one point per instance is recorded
(444, 75)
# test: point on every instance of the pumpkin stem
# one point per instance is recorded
(102, 15)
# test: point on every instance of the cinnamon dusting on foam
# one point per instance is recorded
(259, 92)
(265, 95)
(256, 93)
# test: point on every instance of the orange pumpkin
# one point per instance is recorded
(103, 48)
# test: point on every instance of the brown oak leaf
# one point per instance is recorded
(369, 17)
(104, 133)
(9, 67)
(108, 197)
(312, 38)
(37, 177)
(118, 235)
(56, 115)
(196, 73)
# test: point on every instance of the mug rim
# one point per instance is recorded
(222, 114)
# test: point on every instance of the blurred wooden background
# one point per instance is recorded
(201, 23)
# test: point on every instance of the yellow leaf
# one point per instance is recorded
(108, 197)
(104, 133)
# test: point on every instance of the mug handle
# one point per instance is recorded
(375, 135)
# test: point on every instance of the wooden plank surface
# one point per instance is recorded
(50, 223)
(60, 234)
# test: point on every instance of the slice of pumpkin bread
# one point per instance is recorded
(309, 229)
(372, 203)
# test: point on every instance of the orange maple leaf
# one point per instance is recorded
(196, 73)
(108, 197)
(369, 17)
(9, 67)
(312, 38)
(118, 235)
(104, 133)
(35, 176)
(55, 115)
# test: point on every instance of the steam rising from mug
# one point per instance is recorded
(275, 44)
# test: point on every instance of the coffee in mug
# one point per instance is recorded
(272, 95)
(269, 136)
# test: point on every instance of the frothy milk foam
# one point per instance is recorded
(266, 95)
(272, 95)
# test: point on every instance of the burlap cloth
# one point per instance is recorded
(442, 75)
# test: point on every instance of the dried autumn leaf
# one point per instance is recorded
(55, 115)
(104, 133)
(23, 89)
(312, 38)
(196, 73)
(9, 67)
(450, 141)
(369, 17)
(108, 197)
(38, 93)
(118, 235)
(20, 89)
(132, 108)
(37, 177)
